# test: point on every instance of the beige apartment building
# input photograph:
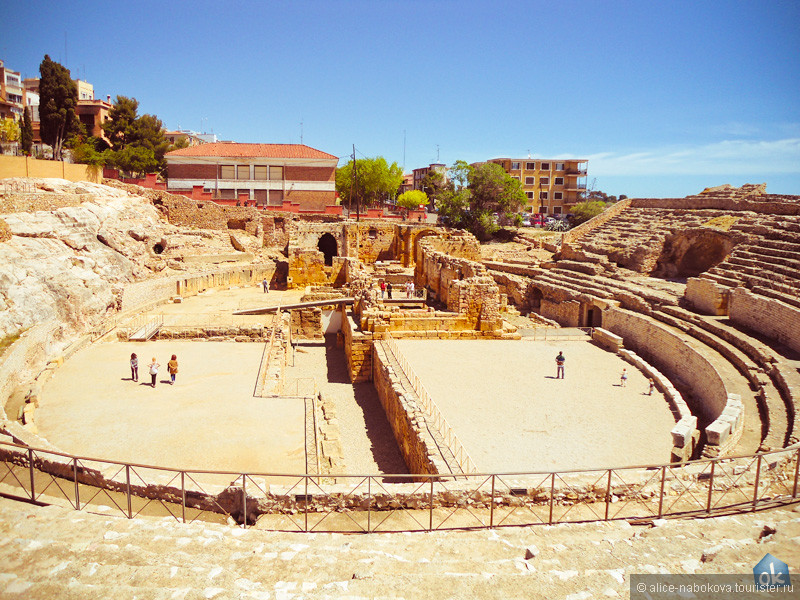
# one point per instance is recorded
(551, 187)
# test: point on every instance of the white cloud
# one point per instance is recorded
(733, 157)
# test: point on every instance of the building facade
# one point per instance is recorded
(551, 187)
(255, 174)
(12, 94)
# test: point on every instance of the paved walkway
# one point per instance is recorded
(54, 552)
(506, 406)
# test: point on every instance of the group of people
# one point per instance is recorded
(623, 378)
(172, 369)
(386, 289)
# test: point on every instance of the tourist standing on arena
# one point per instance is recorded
(265, 285)
(652, 386)
(623, 379)
(172, 367)
(153, 371)
(560, 360)
(389, 290)
(134, 367)
(383, 289)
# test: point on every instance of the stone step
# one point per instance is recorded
(791, 299)
(761, 250)
(724, 280)
(793, 247)
(761, 266)
(780, 261)
(749, 272)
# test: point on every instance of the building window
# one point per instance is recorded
(530, 180)
(542, 195)
(276, 173)
(260, 172)
(243, 172)
(227, 194)
(558, 196)
(544, 181)
(515, 177)
(261, 197)
(543, 210)
(559, 181)
(515, 166)
(275, 198)
(529, 195)
(530, 166)
(545, 167)
(559, 166)
(227, 172)
(557, 210)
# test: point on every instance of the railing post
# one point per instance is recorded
(30, 469)
(128, 489)
(661, 492)
(369, 503)
(491, 506)
(796, 473)
(77, 487)
(244, 503)
(710, 487)
(305, 503)
(552, 495)
(608, 494)
(430, 512)
(758, 477)
(183, 496)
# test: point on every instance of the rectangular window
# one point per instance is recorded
(261, 197)
(275, 198)
(557, 210)
(227, 194)
(515, 166)
(559, 181)
(515, 177)
(529, 195)
(243, 172)
(542, 195)
(260, 172)
(545, 167)
(530, 166)
(544, 181)
(558, 196)
(530, 180)
(543, 210)
(275, 174)
(227, 172)
(559, 166)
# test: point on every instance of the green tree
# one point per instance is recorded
(26, 132)
(9, 130)
(433, 184)
(376, 181)
(126, 129)
(133, 159)
(412, 199)
(583, 211)
(58, 97)
(475, 194)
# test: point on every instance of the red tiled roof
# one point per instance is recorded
(236, 150)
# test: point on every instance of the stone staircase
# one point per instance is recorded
(51, 552)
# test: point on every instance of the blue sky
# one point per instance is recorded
(663, 98)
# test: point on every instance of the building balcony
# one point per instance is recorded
(572, 172)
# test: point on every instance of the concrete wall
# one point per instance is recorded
(357, 349)
(670, 353)
(25, 166)
(706, 296)
(772, 318)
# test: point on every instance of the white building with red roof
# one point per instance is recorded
(265, 175)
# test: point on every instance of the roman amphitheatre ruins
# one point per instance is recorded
(325, 405)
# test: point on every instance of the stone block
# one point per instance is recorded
(718, 432)
(682, 432)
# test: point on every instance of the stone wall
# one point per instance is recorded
(377, 241)
(671, 353)
(154, 291)
(706, 296)
(775, 319)
(405, 414)
(566, 313)
(357, 349)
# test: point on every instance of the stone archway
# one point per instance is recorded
(692, 252)
(535, 299)
(328, 246)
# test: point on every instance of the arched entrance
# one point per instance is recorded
(594, 317)
(535, 299)
(327, 245)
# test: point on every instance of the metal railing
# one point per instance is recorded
(559, 334)
(440, 423)
(421, 502)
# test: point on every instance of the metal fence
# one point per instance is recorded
(369, 503)
(559, 333)
(440, 423)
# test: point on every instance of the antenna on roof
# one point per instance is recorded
(301, 132)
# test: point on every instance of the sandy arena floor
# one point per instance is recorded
(511, 414)
(208, 420)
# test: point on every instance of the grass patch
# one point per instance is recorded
(725, 222)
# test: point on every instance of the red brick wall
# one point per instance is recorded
(192, 171)
(310, 173)
(310, 200)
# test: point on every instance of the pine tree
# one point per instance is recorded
(27, 132)
(58, 97)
